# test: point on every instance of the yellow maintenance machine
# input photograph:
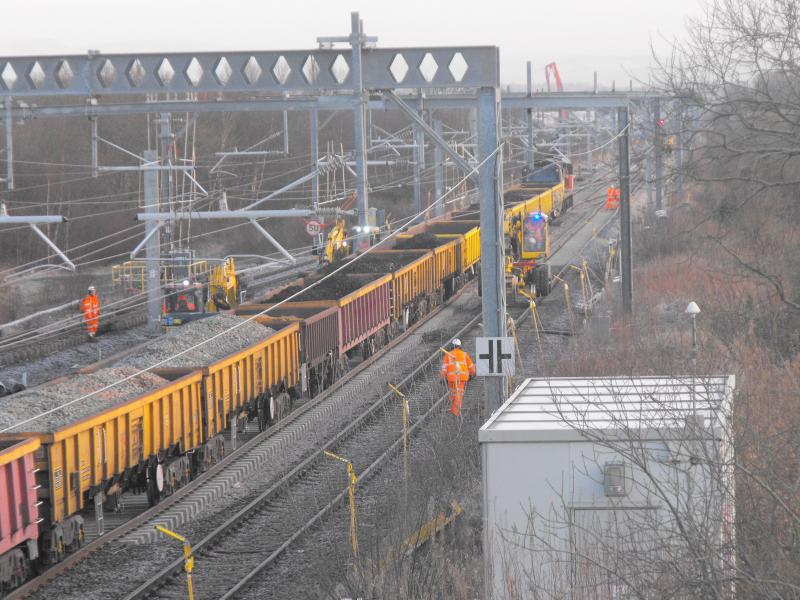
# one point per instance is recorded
(527, 264)
(337, 246)
(188, 298)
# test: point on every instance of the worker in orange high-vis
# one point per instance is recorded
(90, 307)
(457, 369)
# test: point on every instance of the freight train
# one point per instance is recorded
(164, 427)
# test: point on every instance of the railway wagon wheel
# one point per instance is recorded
(542, 279)
(342, 366)
(155, 482)
(282, 405)
(263, 411)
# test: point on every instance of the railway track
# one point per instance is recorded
(326, 563)
(273, 520)
(192, 499)
(330, 411)
(131, 313)
(127, 314)
(239, 550)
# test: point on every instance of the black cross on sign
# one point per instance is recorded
(495, 352)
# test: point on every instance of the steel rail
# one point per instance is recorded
(137, 521)
(304, 467)
(148, 515)
(291, 477)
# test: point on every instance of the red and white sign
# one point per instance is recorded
(313, 227)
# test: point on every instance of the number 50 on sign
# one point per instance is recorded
(494, 356)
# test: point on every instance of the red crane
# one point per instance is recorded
(553, 68)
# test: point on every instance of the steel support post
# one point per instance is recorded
(657, 147)
(529, 120)
(648, 182)
(314, 131)
(93, 121)
(286, 133)
(419, 159)
(52, 246)
(493, 286)
(438, 167)
(625, 214)
(679, 165)
(153, 247)
(9, 123)
(360, 146)
(165, 182)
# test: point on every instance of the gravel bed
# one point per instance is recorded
(123, 566)
(49, 396)
(196, 332)
(320, 564)
(427, 241)
(377, 262)
(66, 362)
(104, 574)
(444, 466)
(332, 288)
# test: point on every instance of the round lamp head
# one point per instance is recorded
(692, 309)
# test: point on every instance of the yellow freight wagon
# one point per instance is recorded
(130, 445)
(411, 282)
(258, 380)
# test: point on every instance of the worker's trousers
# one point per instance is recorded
(456, 395)
(92, 324)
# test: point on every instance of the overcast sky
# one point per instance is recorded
(610, 36)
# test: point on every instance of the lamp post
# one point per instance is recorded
(693, 310)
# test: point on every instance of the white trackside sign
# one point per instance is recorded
(494, 356)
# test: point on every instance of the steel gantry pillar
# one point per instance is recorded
(419, 158)
(493, 286)
(625, 214)
(529, 120)
(9, 123)
(314, 131)
(153, 246)
(679, 166)
(360, 146)
(438, 167)
(657, 151)
(165, 183)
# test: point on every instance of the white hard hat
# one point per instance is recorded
(456, 342)
(92, 289)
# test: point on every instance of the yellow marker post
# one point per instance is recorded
(537, 324)
(583, 290)
(588, 279)
(405, 430)
(351, 493)
(188, 557)
(569, 307)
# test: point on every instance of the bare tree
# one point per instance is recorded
(737, 78)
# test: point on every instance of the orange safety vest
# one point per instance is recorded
(457, 366)
(90, 307)
(187, 302)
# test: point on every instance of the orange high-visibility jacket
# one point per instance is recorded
(457, 366)
(90, 307)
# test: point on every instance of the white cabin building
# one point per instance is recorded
(602, 488)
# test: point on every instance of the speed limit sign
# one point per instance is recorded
(313, 227)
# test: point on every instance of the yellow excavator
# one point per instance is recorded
(336, 246)
(188, 299)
